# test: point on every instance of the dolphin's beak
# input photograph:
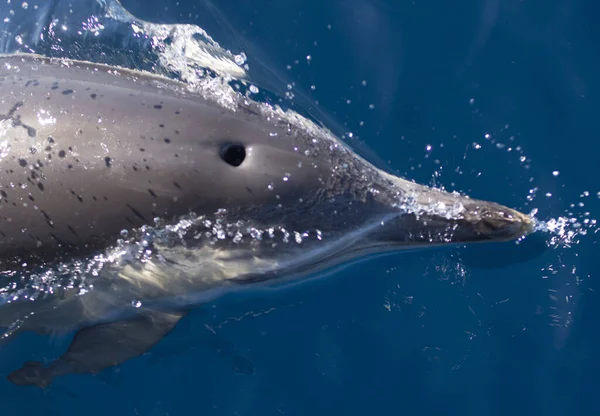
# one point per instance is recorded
(477, 221)
(431, 216)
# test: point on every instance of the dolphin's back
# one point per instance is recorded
(78, 155)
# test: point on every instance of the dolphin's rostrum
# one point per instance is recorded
(126, 200)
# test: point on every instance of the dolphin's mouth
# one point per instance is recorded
(479, 221)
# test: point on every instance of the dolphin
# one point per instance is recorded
(128, 199)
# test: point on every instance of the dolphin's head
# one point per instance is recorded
(267, 173)
(299, 180)
(303, 200)
(303, 178)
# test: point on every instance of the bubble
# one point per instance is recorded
(253, 89)
(555, 173)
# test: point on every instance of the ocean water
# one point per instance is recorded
(498, 99)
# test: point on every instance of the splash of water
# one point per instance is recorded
(182, 48)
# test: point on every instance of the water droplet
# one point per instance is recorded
(237, 238)
(136, 303)
(124, 233)
(240, 59)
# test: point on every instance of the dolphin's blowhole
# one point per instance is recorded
(233, 154)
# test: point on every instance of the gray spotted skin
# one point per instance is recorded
(87, 151)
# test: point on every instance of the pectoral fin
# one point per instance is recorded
(98, 347)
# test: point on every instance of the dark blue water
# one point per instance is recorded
(489, 330)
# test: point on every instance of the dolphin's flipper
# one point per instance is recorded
(98, 347)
